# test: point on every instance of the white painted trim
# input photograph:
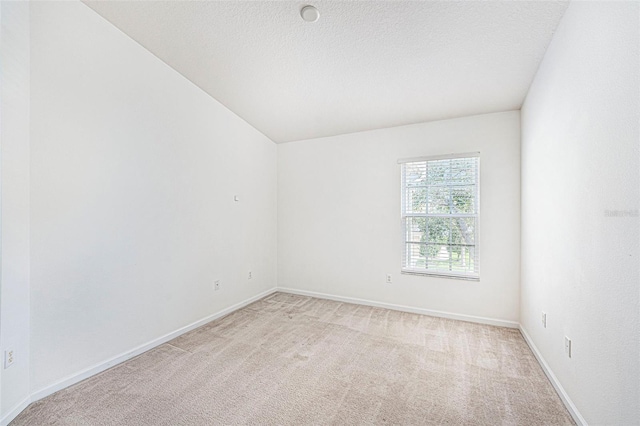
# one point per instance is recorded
(13, 413)
(440, 314)
(98, 368)
(577, 417)
(84, 374)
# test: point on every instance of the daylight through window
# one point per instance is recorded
(440, 199)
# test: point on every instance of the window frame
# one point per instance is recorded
(474, 276)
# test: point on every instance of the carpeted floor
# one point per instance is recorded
(291, 360)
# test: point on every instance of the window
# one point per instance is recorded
(440, 200)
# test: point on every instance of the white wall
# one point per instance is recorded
(133, 176)
(580, 159)
(14, 193)
(339, 215)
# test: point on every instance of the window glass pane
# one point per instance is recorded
(415, 174)
(416, 256)
(416, 200)
(462, 258)
(463, 171)
(438, 257)
(463, 199)
(438, 229)
(416, 229)
(439, 200)
(463, 230)
(437, 172)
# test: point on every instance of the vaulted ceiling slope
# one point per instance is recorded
(363, 65)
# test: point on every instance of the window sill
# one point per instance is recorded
(440, 275)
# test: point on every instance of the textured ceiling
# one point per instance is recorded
(362, 65)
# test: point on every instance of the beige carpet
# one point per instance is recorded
(291, 360)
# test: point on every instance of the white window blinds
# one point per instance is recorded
(440, 199)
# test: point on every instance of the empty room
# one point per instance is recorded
(319, 213)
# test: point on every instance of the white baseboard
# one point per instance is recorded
(13, 413)
(440, 314)
(577, 417)
(88, 372)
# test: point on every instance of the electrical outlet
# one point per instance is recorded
(216, 285)
(544, 319)
(9, 358)
(567, 346)
(250, 276)
(388, 278)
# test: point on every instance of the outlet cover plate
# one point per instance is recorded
(9, 358)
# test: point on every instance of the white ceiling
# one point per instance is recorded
(362, 65)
